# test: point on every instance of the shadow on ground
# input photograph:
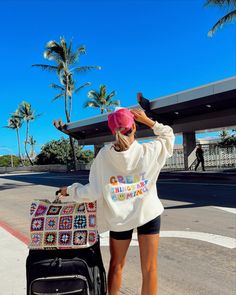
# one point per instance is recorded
(7, 186)
(196, 194)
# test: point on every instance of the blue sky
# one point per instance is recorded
(156, 47)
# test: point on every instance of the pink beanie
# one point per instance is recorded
(122, 118)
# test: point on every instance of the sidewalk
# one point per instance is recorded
(12, 264)
(224, 175)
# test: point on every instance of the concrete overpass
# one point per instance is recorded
(201, 109)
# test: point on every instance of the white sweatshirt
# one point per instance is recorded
(127, 181)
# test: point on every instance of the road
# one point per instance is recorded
(197, 248)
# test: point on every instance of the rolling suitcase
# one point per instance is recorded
(75, 271)
(64, 256)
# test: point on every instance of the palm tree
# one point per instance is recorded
(65, 60)
(230, 16)
(32, 143)
(71, 90)
(224, 134)
(15, 123)
(27, 114)
(100, 99)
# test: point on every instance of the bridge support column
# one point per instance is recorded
(189, 145)
(97, 148)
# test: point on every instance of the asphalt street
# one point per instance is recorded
(197, 245)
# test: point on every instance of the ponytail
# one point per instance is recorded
(122, 140)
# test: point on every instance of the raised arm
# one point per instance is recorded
(164, 143)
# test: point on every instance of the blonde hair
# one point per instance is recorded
(122, 140)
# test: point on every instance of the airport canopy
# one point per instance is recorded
(200, 109)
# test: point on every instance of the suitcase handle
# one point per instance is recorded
(58, 192)
(57, 198)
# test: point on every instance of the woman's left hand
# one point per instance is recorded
(63, 191)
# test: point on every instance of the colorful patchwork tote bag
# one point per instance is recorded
(67, 225)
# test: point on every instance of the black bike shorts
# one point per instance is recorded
(149, 228)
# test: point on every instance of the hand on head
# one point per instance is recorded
(139, 115)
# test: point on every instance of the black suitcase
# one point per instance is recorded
(70, 272)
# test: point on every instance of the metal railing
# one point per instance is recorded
(215, 157)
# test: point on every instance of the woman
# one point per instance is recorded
(124, 174)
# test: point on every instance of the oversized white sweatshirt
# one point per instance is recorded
(127, 181)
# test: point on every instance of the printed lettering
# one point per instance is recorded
(113, 180)
(145, 189)
(129, 179)
(114, 198)
(136, 178)
(139, 192)
(120, 179)
(129, 195)
(117, 190)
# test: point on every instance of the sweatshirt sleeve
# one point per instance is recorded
(91, 191)
(164, 142)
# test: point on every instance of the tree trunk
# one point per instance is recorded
(18, 142)
(26, 141)
(68, 121)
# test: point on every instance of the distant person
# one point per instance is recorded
(200, 157)
(124, 175)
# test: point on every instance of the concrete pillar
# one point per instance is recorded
(189, 145)
(97, 148)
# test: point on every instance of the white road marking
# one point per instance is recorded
(219, 240)
(231, 210)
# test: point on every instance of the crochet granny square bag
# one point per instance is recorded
(68, 225)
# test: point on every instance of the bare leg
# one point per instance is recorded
(148, 245)
(118, 250)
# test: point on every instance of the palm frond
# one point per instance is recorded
(108, 110)
(25, 110)
(109, 96)
(74, 57)
(114, 103)
(14, 123)
(46, 67)
(81, 50)
(86, 68)
(93, 94)
(55, 86)
(103, 90)
(220, 3)
(52, 44)
(58, 96)
(91, 104)
(55, 51)
(225, 19)
(81, 87)
(61, 67)
(64, 48)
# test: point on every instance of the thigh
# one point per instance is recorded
(118, 250)
(148, 237)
